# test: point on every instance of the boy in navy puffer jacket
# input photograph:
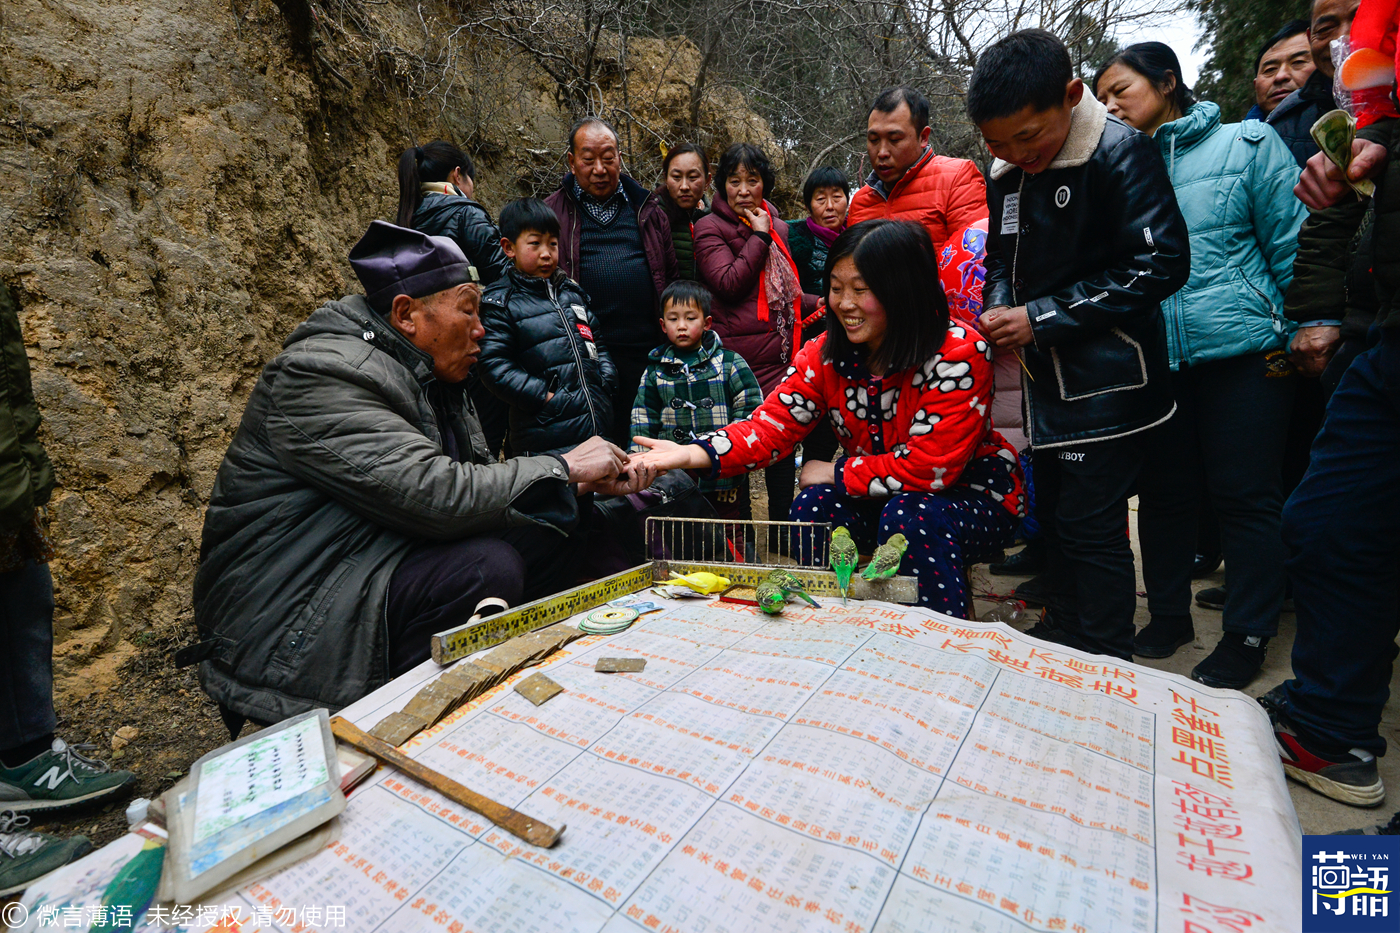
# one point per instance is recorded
(539, 353)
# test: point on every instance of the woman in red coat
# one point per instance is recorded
(741, 256)
(909, 396)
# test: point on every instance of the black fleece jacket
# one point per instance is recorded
(540, 339)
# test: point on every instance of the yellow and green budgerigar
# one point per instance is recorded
(886, 559)
(791, 585)
(702, 581)
(771, 598)
(844, 558)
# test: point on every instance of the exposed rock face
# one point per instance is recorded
(179, 185)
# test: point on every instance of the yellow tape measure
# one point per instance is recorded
(459, 642)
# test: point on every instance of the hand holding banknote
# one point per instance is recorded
(1335, 132)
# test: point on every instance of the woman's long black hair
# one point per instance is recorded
(433, 162)
(898, 262)
(1156, 62)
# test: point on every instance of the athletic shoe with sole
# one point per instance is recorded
(1234, 663)
(60, 778)
(1163, 635)
(1212, 597)
(27, 856)
(1350, 777)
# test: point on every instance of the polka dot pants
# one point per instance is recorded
(946, 531)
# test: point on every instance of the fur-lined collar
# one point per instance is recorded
(1086, 125)
(440, 187)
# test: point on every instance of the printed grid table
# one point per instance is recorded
(864, 768)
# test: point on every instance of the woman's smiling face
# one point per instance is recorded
(855, 305)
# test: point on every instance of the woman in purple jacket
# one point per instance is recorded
(741, 255)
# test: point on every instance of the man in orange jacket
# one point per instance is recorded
(909, 182)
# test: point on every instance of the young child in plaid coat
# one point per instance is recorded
(693, 385)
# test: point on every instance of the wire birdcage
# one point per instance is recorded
(718, 541)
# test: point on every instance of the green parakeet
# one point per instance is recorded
(844, 558)
(887, 557)
(791, 586)
(771, 598)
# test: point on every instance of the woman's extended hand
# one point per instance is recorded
(668, 455)
(817, 473)
(759, 220)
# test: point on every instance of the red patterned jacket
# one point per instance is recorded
(925, 429)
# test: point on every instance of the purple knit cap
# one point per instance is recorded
(391, 260)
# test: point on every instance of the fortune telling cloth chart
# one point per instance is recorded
(869, 768)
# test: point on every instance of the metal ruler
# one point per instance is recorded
(468, 639)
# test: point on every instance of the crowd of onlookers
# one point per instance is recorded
(1135, 298)
(1055, 261)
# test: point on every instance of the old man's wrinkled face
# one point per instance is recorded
(445, 325)
(595, 161)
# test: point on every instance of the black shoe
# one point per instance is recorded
(1026, 562)
(1212, 597)
(1163, 635)
(1043, 589)
(1234, 662)
(1349, 776)
(1205, 565)
(1050, 629)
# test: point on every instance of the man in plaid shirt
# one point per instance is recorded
(693, 385)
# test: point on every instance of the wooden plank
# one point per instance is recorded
(512, 821)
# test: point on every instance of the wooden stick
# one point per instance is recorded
(512, 821)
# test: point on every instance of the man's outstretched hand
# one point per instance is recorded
(595, 460)
(1322, 185)
(637, 477)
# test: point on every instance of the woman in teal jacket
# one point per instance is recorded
(1227, 338)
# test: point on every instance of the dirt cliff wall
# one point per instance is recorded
(179, 185)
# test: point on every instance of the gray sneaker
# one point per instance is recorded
(60, 778)
(27, 856)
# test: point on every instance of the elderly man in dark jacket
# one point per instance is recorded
(615, 241)
(357, 510)
(1332, 297)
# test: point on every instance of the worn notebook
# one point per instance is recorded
(247, 800)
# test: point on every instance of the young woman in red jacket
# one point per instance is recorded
(909, 396)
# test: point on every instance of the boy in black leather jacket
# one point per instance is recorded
(539, 353)
(1085, 240)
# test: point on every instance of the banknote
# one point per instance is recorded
(1334, 132)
